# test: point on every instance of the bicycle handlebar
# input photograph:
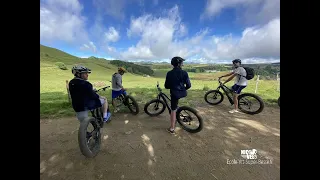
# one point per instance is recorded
(219, 80)
(104, 88)
(159, 89)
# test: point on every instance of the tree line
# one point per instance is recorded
(133, 68)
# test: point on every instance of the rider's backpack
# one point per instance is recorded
(250, 73)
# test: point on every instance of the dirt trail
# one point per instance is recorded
(138, 147)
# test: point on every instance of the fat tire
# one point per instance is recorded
(256, 97)
(213, 91)
(195, 112)
(82, 138)
(134, 103)
(152, 101)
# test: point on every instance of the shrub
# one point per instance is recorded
(61, 66)
(205, 88)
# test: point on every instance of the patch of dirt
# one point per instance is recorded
(138, 147)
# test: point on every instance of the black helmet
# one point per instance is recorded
(176, 60)
(236, 60)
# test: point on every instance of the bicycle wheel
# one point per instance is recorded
(213, 97)
(155, 104)
(252, 108)
(133, 105)
(186, 119)
(89, 142)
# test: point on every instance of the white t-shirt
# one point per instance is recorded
(240, 80)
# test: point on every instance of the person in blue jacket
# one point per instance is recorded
(177, 80)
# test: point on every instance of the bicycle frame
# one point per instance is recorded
(227, 91)
(164, 97)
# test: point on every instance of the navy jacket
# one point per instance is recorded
(82, 95)
(177, 80)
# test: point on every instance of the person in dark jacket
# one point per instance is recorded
(83, 97)
(177, 80)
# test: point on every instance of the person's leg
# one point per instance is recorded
(174, 105)
(235, 100)
(114, 104)
(82, 115)
(105, 108)
(113, 96)
(237, 90)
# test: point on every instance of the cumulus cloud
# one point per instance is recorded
(103, 36)
(251, 11)
(257, 41)
(157, 34)
(112, 35)
(159, 40)
(164, 36)
(91, 47)
(62, 20)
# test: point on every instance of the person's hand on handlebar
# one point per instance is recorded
(219, 79)
(124, 89)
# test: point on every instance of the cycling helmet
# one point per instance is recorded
(236, 60)
(80, 69)
(122, 69)
(176, 60)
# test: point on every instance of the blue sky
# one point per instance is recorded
(203, 31)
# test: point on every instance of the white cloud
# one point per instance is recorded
(255, 42)
(183, 30)
(165, 36)
(62, 20)
(115, 8)
(157, 34)
(112, 35)
(159, 40)
(90, 47)
(252, 11)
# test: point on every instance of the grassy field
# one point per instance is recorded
(54, 98)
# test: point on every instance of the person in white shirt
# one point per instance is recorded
(239, 84)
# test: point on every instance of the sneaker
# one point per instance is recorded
(108, 117)
(233, 111)
(171, 131)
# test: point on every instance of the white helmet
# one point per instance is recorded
(80, 69)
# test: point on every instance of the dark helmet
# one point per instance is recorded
(236, 60)
(78, 69)
(176, 60)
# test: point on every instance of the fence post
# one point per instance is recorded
(255, 91)
(278, 84)
(67, 86)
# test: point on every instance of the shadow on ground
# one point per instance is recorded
(138, 147)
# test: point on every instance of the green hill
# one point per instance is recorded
(53, 92)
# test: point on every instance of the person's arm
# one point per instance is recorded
(226, 75)
(118, 81)
(230, 78)
(188, 83)
(167, 83)
(90, 91)
(233, 74)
